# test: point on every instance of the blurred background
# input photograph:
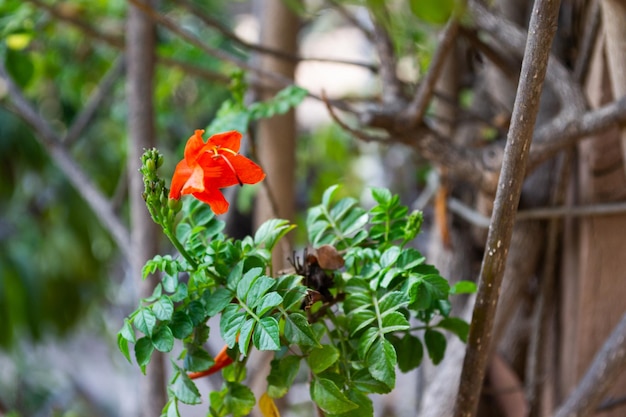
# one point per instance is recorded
(86, 85)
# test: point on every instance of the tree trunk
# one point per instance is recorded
(144, 233)
(276, 137)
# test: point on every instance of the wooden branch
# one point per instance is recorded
(391, 85)
(89, 110)
(562, 133)
(64, 161)
(607, 366)
(279, 80)
(477, 219)
(229, 34)
(417, 107)
(140, 72)
(542, 27)
(56, 12)
(340, 8)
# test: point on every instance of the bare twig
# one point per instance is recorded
(356, 133)
(590, 33)
(226, 32)
(417, 107)
(606, 367)
(339, 7)
(101, 92)
(391, 85)
(276, 78)
(534, 65)
(81, 182)
(566, 132)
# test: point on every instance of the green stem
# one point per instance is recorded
(179, 246)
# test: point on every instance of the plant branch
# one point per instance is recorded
(226, 32)
(417, 107)
(565, 132)
(339, 7)
(606, 367)
(391, 85)
(542, 27)
(64, 161)
(101, 92)
(279, 80)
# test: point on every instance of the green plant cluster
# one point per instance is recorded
(386, 305)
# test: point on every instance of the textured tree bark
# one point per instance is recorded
(541, 32)
(276, 137)
(140, 35)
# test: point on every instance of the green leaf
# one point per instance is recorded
(328, 195)
(298, 331)
(239, 400)
(366, 407)
(322, 358)
(197, 359)
(122, 344)
(171, 409)
(145, 321)
(143, 352)
(247, 281)
(365, 382)
(230, 323)
(381, 195)
(270, 232)
(170, 282)
(381, 362)
(127, 331)
(265, 335)
(196, 312)
(456, 325)
(435, 345)
(217, 300)
(394, 322)
(409, 258)
(20, 66)
(258, 289)
(438, 286)
(163, 339)
(329, 397)
(389, 257)
(244, 335)
(181, 292)
(282, 374)
(185, 390)
(163, 308)
(235, 275)
(366, 341)
(433, 12)
(268, 302)
(410, 353)
(392, 301)
(463, 287)
(180, 325)
(360, 319)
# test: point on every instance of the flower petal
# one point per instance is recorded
(230, 140)
(194, 147)
(195, 183)
(181, 175)
(214, 198)
(248, 171)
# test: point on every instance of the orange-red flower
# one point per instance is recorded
(208, 167)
